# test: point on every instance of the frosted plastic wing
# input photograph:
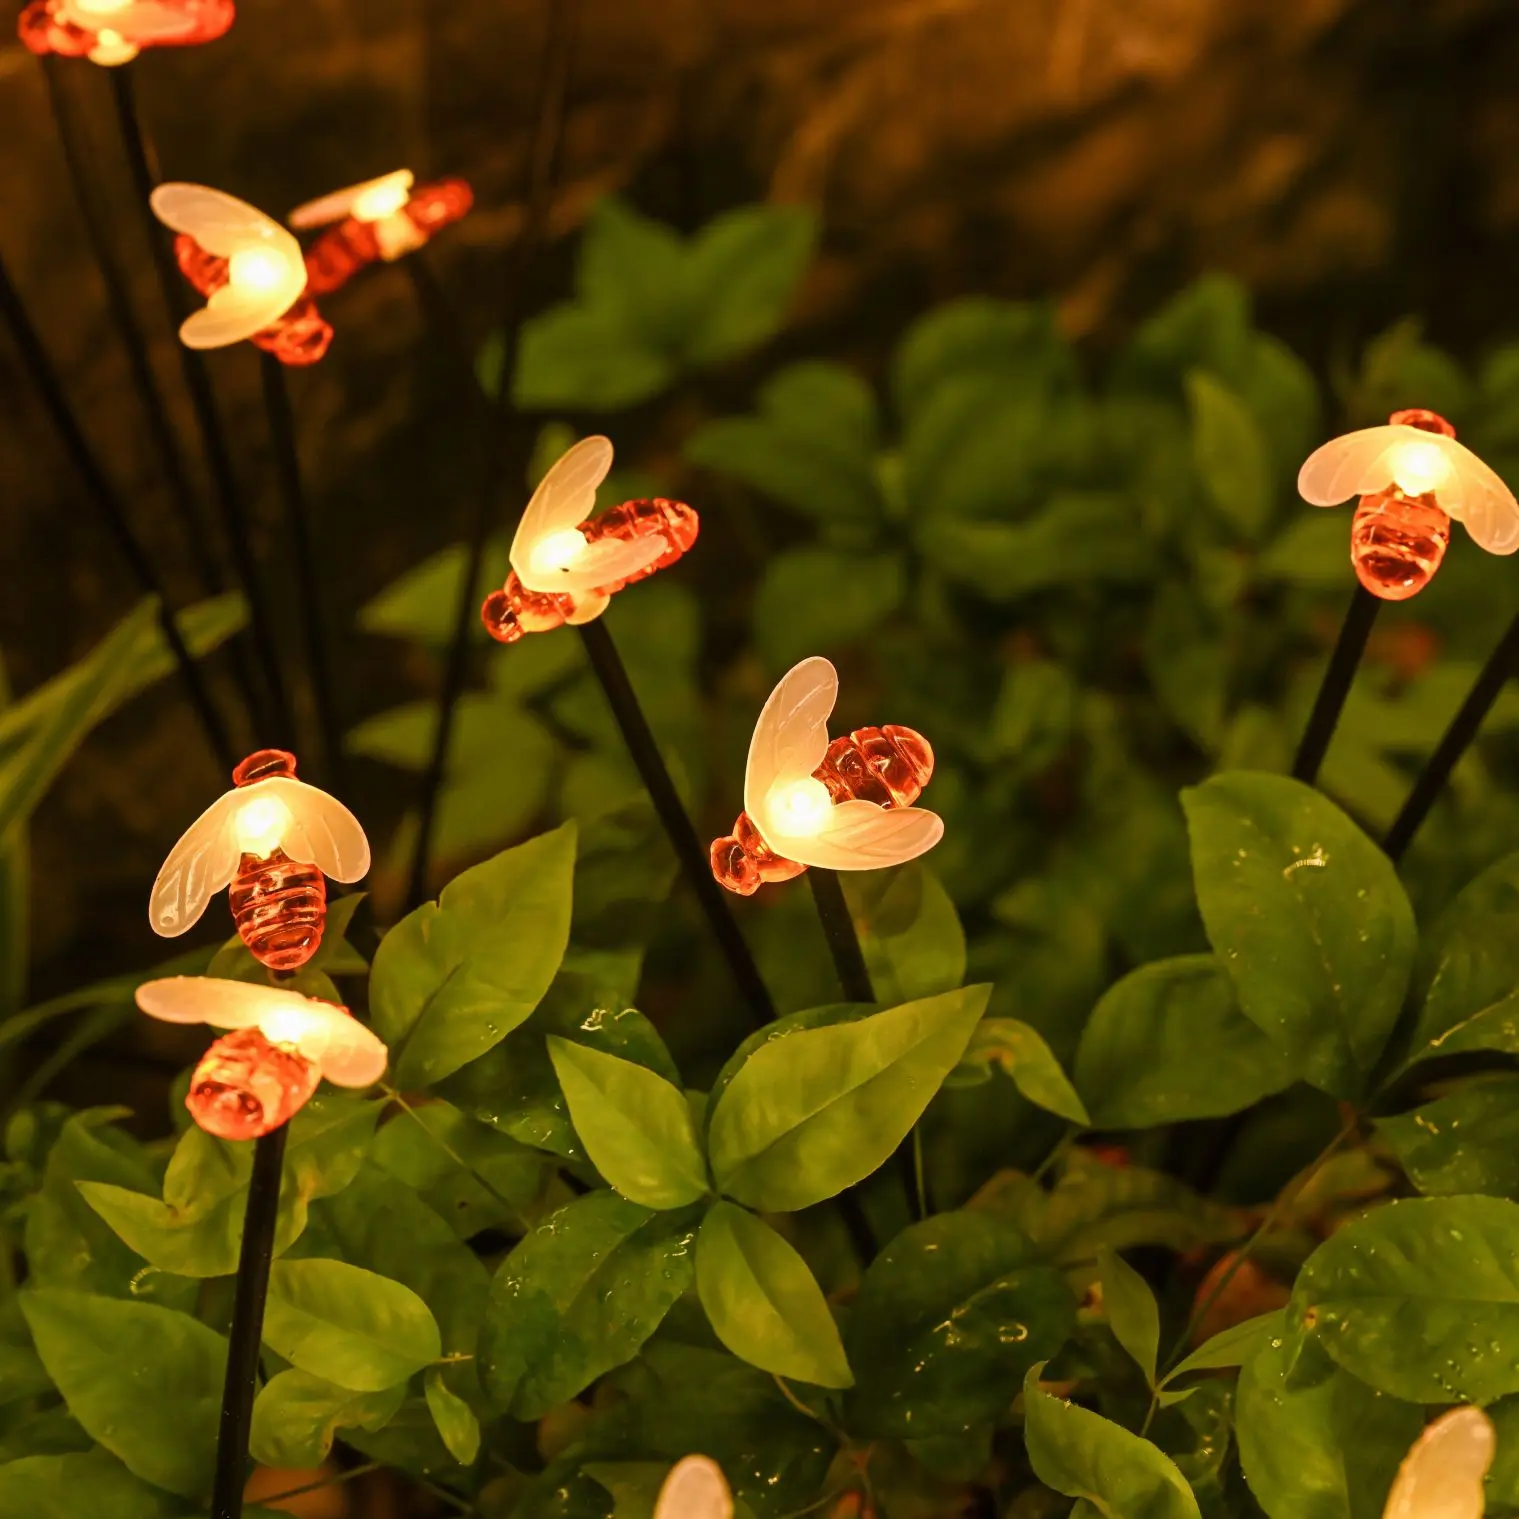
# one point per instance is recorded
(353, 1055)
(565, 497)
(1441, 1476)
(1477, 496)
(791, 737)
(230, 317)
(210, 999)
(321, 831)
(694, 1489)
(334, 207)
(864, 836)
(199, 865)
(222, 224)
(614, 559)
(1354, 465)
(143, 21)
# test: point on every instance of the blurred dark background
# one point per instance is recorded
(1352, 161)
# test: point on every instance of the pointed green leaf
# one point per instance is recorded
(297, 1415)
(1233, 1346)
(66, 1487)
(763, 1302)
(1132, 1314)
(1230, 453)
(909, 929)
(1466, 1142)
(635, 1126)
(1021, 1051)
(457, 1425)
(743, 269)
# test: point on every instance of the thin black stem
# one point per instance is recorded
(247, 1326)
(1338, 678)
(275, 724)
(695, 863)
(854, 978)
(113, 513)
(298, 528)
(543, 159)
(1458, 738)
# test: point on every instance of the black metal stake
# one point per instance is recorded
(101, 492)
(543, 157)
(154, 408)
(1457, 739)
(287, 464)
(854, 977)
(1338, 678)
(275, 725)
(695, 864)
(246, 1334)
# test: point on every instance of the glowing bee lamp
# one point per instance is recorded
(250, 270)
(1413, 478)
(566, 569)
(380, 220)
(271, 838)
(1441, 1476)
(111, 32)
(694, 1489)
(845, 805)
(280, 1045)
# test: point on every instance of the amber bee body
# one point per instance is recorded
(272, 839)
(844, 805)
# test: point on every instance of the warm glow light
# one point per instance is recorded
(261, 825)
(255, 271)
(1418, 468)
(800, 809)
(102, 7)
(291, 1025)
(557, 551)
(112, 49)
(380, 200)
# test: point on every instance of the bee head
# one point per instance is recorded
(263, 763)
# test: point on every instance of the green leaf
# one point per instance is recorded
(909, 930)
(1503, 1475)
(456, 976)
(296, 1417)
(1187, 660)
(420, 605)
(1083, 1455)
(949, 1318)
(635, 1126)
(812, 599)
(584, 359)
(1233, 1346)
(579, 1296)
(1168, 1043)
(456, 1421)
(348, 1325)
(146, 1382)
(1021, 1051)
(196, 1230)
(743, 269)
(1465, 1142)
(1309, 919)
(1035, 714)
(1230, 452)
(1412, 1297)
(68, 1486)
(1311, 551)
(1324, 1451)
(631, 268)
(817, 1111)
(763, 1302)
(1131, 1310)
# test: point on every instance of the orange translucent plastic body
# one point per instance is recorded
(343, 250)
(1397, 541)
(889, 766)
(514, 610)
(278, 904)
(43, 31)
(299, 337)
(246, 1087)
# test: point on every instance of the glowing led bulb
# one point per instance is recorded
(112, 49)
(255, 271)
(112, 32)
(1413, 480)
(558, 551)
(845, 805)
(94, 8)
(271, 839)
(281, 1044)
(383, 198)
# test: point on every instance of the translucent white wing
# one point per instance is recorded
(209, 999)
(142, 21)
(1441, 1476)
(864, 836)
(791, 736)
(1477, 496)
(224, 225)
(1356, 464)
(199, 865)
(565, 497)
(613, 559)
(353, 1055)
(341, 203)
(321, 831)
(695, 1489)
